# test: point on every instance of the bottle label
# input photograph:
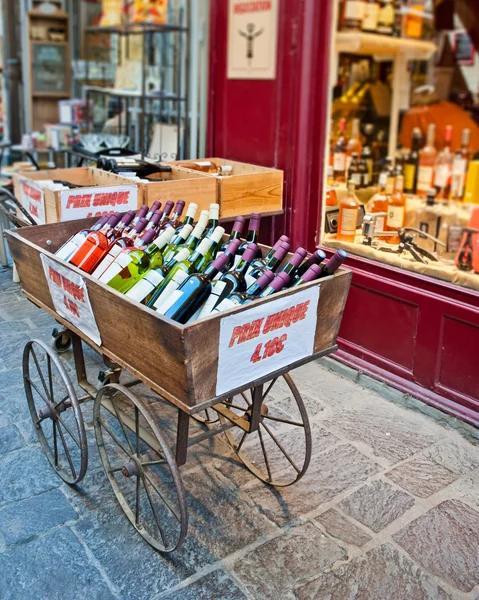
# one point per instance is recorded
(178, 278)
(216, 291)
(409, 176)
(349, 219)
(196, 315)
(395, 217)
(356, 178)
(145, 286)
(454, 238)
(172, 298)
(460, 168)
(249, 280)
(370, 20)
(390, 185)
(116, 267)
(106, 262)
(354, 10)
(69, 249)
(226, 304)
(339, 161)
(379, 224)
(383, 179)
(424, 178)
(442, 175)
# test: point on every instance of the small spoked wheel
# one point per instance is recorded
(142, 472)
(279, 451)
(55, 411)
(62, 340)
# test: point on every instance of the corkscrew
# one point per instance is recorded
(407, 237)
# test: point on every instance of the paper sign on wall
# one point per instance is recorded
(33, 201)
(70, 298)
(94, 202)
(266, 338)
(252, 39)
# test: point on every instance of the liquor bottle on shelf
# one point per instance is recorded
(443, 168)
(367, 161)
(351, 15)
(354, 144)
(189, 217)
(371, 15)
(178, 241)
(396, 210)
(348, 216)
(293, 264)
(379, 204)
(71, 245)
(398, 18)
(270, 265)
(390, 176)
(339, 155)
(126, 271)
(95, 245)
(178, 274)
(411, 163)
(187, 299)
(150, 280)
(214, 214)
(427, 160)
(153, 208)
(251, 237)
(331, 197)
(236, 232)
(386, 18)
(363, 172)
(207, 166)
(315, 259)
(209, 256)
(311, 274)
(154, 221)
(333, 264)
(459, 166)
(354, 173)
(281, 281)
(428, 219)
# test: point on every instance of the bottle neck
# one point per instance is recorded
(431, 134)
(252, 236)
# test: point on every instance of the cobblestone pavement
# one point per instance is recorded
(389, 508)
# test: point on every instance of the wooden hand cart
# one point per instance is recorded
(180, 364)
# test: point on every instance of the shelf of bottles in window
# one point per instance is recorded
(187, 269)
(413, 19)
(429, 189)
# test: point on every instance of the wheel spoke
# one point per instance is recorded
(163, 499)
(61, 401)
(65, 448)
(40, 372)
(269, 387)
(281, 420)
(68, 430)
(278, 443)
(137, 430)
(137, 500)
(155, 512)
(235, 406)
(115, 469)
(114, 437)
(123, 427)
(241, 441)
(50, 378)
(55, 443)
(37, 390)
(246, 400)
(153, 462)
(261, 441)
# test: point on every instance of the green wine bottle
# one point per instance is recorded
(176, 240)
(210, 255)
(189, 217)
(213, 220)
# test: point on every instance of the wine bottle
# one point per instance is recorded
(153, 208)
(166, 215)
(249, 295)
(261, 262)
(193, 239)
(271, 265)
(140, 214)
(176, 241)
(189, 217)
(235, 232)
(185, 301)
(95, 245)
(279, 282)
(75, 241)
(143, 290)
(216, 237)
(333, 264)
(139, 168)
(230, 251)
(251, 237)
(292, 266)
(175, 217)
(155, 220)
(312, 273)
(213, 222)
(137, 263)
(178, 274)
(315, 259)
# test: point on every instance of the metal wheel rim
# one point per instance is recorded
(114, 388)
(307, 439)
(73, 475)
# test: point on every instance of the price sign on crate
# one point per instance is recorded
(33, 201)
(95, 202)
(70, 298)
(266, 338)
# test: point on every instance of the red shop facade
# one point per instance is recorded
(418, 334)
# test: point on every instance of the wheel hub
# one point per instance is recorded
(47, 413)
(132, 468)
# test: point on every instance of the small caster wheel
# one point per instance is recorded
(62, 340)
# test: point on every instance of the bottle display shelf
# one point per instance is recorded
(356, 42)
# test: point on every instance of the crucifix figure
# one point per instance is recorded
(250, 34)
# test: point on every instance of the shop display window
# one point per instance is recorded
(403, 161)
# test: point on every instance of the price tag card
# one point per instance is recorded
(70, 298)
(95, 202)
(33, 201)
(266, 338)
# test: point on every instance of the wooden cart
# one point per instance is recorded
(224, 387)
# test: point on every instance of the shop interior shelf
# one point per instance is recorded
(382, 45)
(131, 93)
(133, 28)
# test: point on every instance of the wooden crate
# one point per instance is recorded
(248, 189)
(85, 176)
(179, 362)
(182, 184)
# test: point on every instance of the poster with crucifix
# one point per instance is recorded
(252, 39)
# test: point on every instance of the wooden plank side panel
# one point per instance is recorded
(202, 190)
(332, 301)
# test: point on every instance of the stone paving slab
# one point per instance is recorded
(10, 439)
(217, 585)
(341, 528)
(421, 476)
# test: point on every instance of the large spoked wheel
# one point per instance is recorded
(55, 411)
(142, 472)
(279, 452)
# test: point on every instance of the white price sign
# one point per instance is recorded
(33, 201)
(70, 298)
(266, 338)
(95, 202)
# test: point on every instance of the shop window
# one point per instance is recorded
(403, 165)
